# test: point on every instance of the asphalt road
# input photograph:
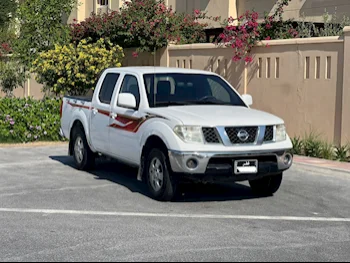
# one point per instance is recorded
(51, 212)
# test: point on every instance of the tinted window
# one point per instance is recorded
(189, 89)
(131, 85)
(218, 91)
(107, 88)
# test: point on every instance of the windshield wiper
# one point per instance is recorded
(171, 103)
(191, 102)
(208, 102)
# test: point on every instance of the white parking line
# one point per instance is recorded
(160, 215)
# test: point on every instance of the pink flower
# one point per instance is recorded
(239, 43)
(268, 38)
(248, 59)
(255, 15)
(197, 12)
(135, 54)
(268, 26)
(236, 58)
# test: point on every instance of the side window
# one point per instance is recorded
(131, 85)
(218, 91)
(107, 88)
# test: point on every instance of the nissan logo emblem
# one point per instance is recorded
(243, 135)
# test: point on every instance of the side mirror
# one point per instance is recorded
(248, 99)
(127, 100)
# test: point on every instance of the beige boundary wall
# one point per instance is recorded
(304, 81)
(299, 80)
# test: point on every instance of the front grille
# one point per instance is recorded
(210, 135)
(233, 134)
(268, 134)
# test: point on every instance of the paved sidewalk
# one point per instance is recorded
(334, 165)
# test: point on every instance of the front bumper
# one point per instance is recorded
(270, 162)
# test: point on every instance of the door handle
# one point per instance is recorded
(94, 111)
(113, 115)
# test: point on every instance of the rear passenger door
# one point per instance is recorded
(101, 110)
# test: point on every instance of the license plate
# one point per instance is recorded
(246, 167)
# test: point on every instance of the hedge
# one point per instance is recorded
(29, 120)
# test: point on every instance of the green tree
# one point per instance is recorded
(7, 10)
(11, 77)
(41, 27)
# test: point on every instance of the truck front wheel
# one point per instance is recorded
(83, 156)
(267, 186)
(158, 176)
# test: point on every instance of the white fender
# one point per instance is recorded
(80, 115)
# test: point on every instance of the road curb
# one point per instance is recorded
(322, 167)
(321, 164)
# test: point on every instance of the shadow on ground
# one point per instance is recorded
(126, 176)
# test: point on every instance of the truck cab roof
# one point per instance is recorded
(159, 70)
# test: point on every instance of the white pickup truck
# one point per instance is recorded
(176, 124)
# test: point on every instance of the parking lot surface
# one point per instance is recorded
(49, 211)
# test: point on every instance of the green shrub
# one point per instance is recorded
(147, 25)
(312, 146)
(341, 153)
(73, 70)
(327, 151)
(29, 120)
(297, 146)
(332, 26)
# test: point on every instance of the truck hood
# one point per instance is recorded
(212, 115)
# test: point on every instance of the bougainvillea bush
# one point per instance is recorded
(147, 25)
(29, 120)
(243, 33)
(73, 70)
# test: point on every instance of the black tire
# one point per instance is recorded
(166, 190)
(267, 186)
(84, 160)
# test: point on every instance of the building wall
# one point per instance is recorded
(313, 10)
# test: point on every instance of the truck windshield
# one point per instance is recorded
(172, 89)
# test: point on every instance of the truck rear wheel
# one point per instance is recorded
(267, 186)
(158, 176)
(83, 156)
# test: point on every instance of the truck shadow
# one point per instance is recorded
(126, 176)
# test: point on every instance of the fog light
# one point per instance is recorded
(288, 159)
(192, 164)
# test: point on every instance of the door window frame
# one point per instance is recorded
(120, 89)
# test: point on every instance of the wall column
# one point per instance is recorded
(345, 112)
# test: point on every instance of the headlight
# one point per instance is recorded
(191, 134)
(281, 134)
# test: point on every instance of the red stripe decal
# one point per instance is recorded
(103, 112)
(78, 106)
(132, 124)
